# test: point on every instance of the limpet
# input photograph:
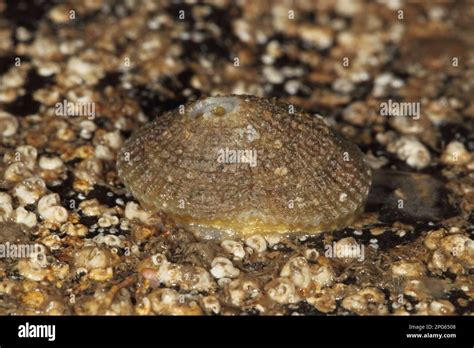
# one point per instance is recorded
(241, 165)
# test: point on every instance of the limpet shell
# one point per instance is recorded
(239, 165)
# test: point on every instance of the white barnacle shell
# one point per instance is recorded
(8, 124)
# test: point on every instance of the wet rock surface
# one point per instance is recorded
(411, 251)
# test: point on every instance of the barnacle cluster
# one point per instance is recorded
(119, 196)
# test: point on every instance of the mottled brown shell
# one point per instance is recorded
(304, 177)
